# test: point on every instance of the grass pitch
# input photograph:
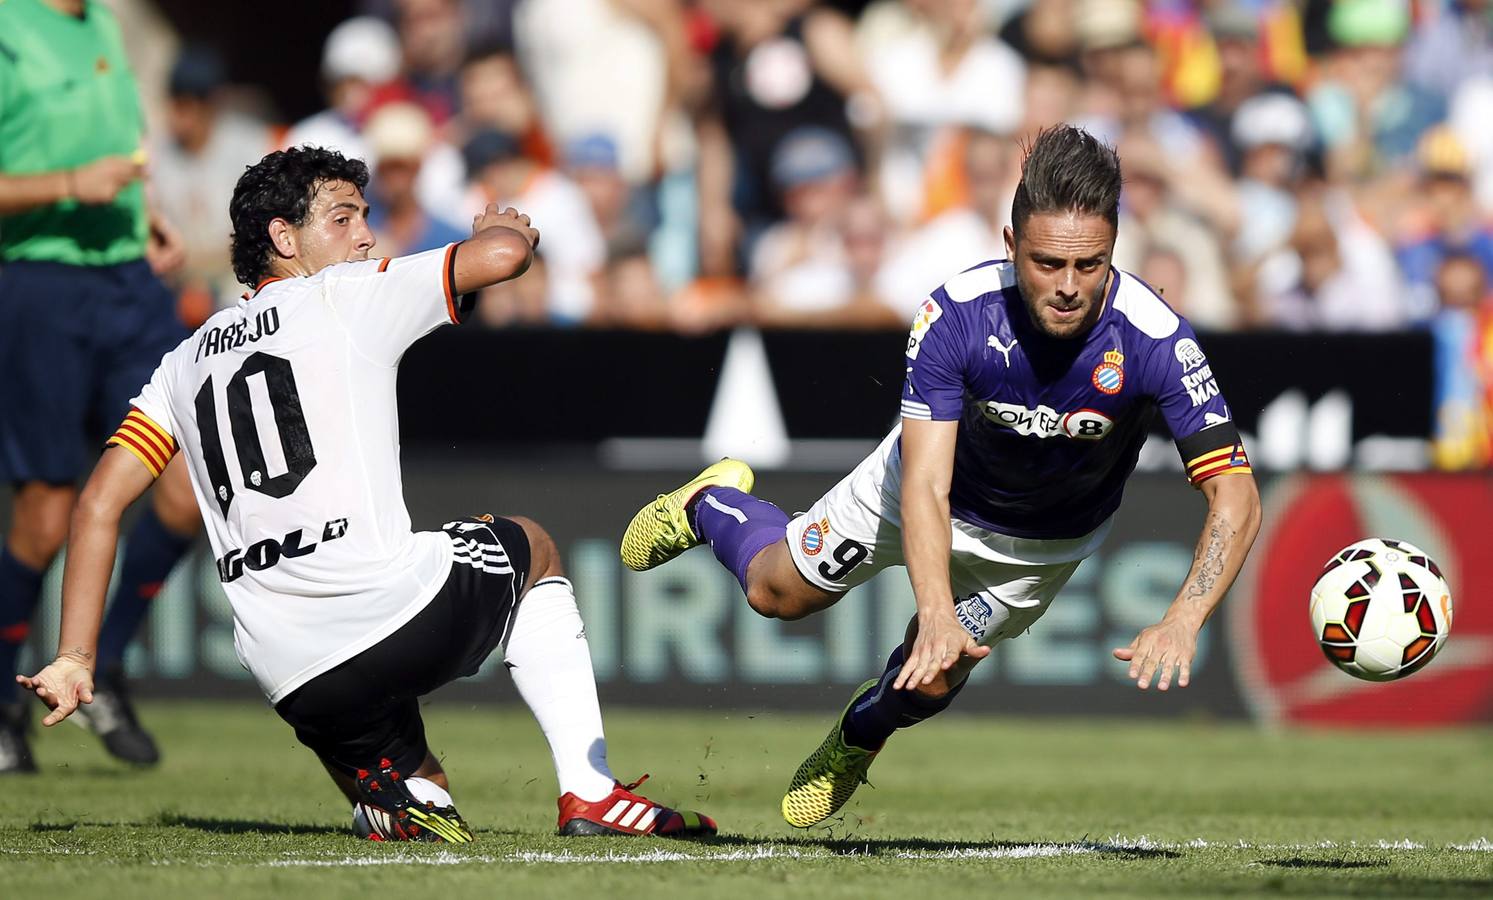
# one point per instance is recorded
(961, 806)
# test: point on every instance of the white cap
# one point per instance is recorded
(362, 47)
(1273, 118)
(399, 130)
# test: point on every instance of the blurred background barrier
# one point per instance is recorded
(821, 399)
(683, 636)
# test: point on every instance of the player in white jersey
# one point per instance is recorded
(285, 410)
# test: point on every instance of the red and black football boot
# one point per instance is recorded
(394, 814)
(624, 812)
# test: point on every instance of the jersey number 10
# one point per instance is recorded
(290, 422)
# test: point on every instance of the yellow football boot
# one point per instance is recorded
(660, 531)
(830, 775)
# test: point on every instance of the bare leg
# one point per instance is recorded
(775, 588)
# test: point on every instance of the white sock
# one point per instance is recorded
(550, 662)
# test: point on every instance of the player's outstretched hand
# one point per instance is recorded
(62, 685)
(1158, 651)
(507, 218)
(101, 180)
(938, 646)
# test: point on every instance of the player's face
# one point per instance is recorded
(336, 229)
(1062, 268)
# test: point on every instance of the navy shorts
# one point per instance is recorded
(77, 343)
(368, 708)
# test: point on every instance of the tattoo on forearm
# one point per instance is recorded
(1208, 559)
(81, 653)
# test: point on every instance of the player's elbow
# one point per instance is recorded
(1237, 498)
(496, 255)
(95, 507)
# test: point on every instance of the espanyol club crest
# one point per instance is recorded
(1282, 672)
(1109, 377)
(813, 537)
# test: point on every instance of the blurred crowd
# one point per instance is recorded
(693, 164)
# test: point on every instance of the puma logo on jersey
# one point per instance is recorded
(1005, 350)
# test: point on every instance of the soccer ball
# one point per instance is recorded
(1381, 609)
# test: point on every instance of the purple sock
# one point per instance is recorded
(737, 526)
(876, 715)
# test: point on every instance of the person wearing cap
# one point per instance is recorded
(803, 271)
(574, 252)
(1369, 118)
(359, 56)
(1273, 133)
(1447, 220)
(84, 318)
(399, 135)
(198, 159)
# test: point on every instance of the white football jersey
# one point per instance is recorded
(285, 409)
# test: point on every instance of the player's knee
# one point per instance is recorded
(40, 523)
(544, 554)
(770, 600)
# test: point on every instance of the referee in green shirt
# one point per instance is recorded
(84, 320)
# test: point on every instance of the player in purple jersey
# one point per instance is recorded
(1030, 383)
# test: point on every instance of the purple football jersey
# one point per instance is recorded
(1050, 429)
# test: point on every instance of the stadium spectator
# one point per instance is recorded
(495, 95)
(1369, 119)
(777, 65)
(1446, 219)
(1242, 74)
(1463, 332)
(84, 318)
(1043, 33)
(1153, 221)
(933, 76)
(360, 56)
(628, 292)
(1337, 274)
(205, 148)
(805, 272)
(399, 136)
(574, 251)
(1273, 134)
(432, 41)
(1453, 42)
(612, 67)
(967, 233)
(360, 70)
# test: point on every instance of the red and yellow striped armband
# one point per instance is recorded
(150, 443)
(1223, 461)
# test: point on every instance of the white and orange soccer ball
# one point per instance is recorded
(1381, 609)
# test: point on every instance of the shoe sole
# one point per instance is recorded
(640, 542)
(801, 778)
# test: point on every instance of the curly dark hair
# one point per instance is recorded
(281, 186)
(1066, 169)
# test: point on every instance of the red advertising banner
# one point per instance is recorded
(1283, 674)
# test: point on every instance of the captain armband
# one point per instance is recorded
(148, 441)
(1214, 451)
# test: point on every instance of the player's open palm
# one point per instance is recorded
(1159, 652)
(62, 685)
(939, 644)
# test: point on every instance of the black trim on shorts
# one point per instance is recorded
(367, 708)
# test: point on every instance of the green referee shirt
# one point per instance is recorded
(67, 98)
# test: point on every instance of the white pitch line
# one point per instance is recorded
(1115, 844)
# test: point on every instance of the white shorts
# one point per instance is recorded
(1002, 584)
